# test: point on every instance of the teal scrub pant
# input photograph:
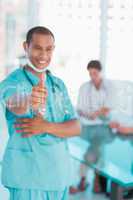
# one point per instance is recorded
(18, 194)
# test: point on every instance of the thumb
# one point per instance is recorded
(42, 79)
(39, 115)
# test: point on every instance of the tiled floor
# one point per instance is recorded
(82, 197)
(88, 196)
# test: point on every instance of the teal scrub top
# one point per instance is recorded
(41, 161)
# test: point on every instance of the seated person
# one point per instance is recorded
(93, 102)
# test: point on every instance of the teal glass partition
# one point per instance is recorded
(111, 154)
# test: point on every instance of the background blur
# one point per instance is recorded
(84, 30)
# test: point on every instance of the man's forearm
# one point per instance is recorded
(84, 114)
(65, 129)
(131, 130)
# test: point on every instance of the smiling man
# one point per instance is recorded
(40, 118)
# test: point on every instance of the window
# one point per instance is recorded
(84, 30)
(16, 17)
(119, 61)
(76, 25)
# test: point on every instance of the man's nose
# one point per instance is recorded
(43, 54)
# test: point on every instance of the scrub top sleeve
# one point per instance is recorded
(3, 130)
(11, 87)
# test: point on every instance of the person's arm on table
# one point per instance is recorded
(89, 115)
(125, 130)
(93, 115)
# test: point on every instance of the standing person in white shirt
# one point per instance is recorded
(94, 101)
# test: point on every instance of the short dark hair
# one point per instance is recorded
(38, 30)
(94, 64)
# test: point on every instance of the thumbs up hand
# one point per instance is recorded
(39, 94)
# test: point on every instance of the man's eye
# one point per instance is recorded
(49, 50)
(38, 48)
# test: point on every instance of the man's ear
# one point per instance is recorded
(25, 46)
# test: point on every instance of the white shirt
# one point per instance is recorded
(91, 99)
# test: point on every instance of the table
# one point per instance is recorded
(110, 154)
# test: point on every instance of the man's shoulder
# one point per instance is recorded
(85, 85)
(14, 76)
(9, 85)
(107, 82)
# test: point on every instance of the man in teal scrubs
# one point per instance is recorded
(40, 118)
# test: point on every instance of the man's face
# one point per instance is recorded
(40, 50)
(95, 75)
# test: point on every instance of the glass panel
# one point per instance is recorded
(105, 151)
